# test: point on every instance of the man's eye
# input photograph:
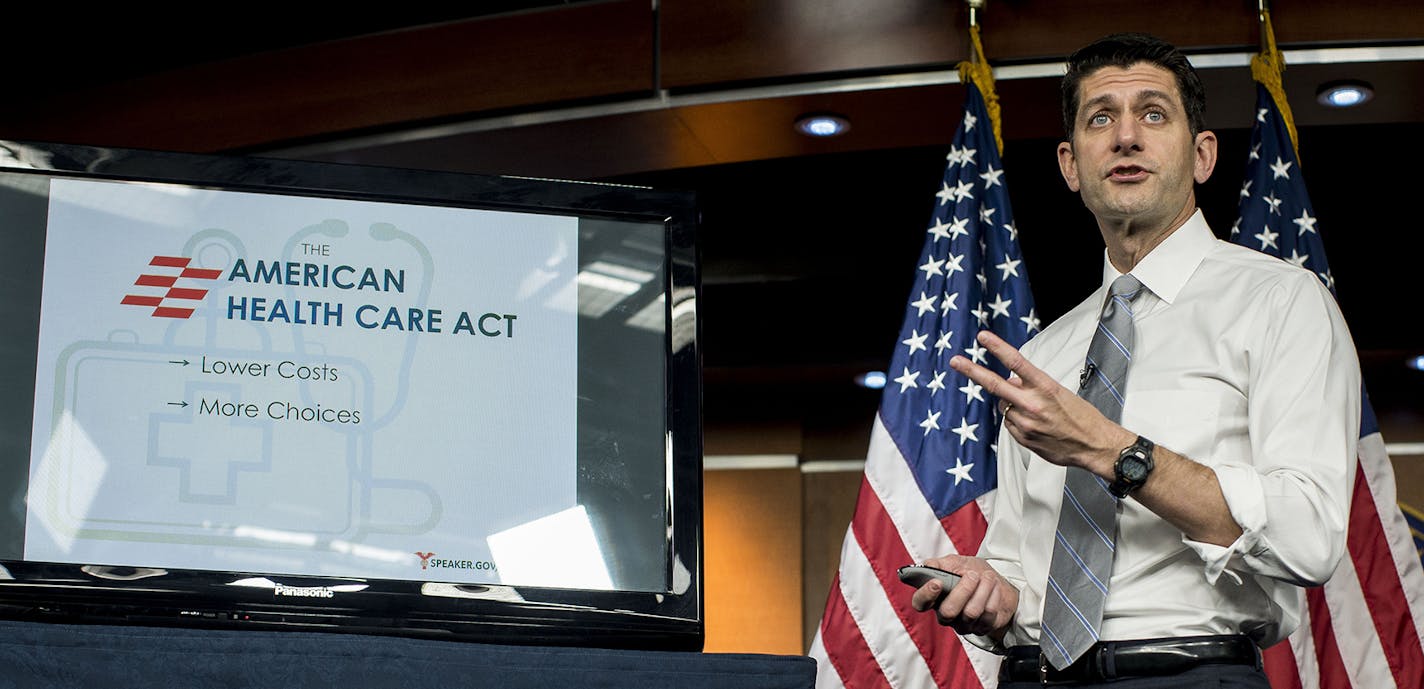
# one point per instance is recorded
(1155, 117)
(1098, 120)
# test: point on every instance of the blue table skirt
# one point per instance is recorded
(80, 656)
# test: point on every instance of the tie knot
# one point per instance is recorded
(1126, 287)
(1121, 293)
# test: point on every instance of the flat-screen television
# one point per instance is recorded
(256, 393)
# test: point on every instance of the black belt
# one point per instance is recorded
(1108, 660)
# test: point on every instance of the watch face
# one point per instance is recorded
(1134, 468)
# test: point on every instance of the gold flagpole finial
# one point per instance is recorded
(976, 70)
(974, 7)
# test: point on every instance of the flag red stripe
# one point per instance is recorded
(846, 647)
(948, 663)
(965, 527)
(1327, 651)
(1383, 591)
(203, 273)
(1280, 665)
(170, 261)
(171, 312)
(137, 300)
(156, 280)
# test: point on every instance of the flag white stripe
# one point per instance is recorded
(1355, 635)
(1302, 642)
(879, 624)
(826, 676)
(1380, 475)
(891, 479)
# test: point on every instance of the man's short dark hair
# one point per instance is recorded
(1125, 50)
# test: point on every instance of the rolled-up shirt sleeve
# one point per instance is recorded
(1291, 495)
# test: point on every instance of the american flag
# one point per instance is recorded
(931, 469)
(1365, 628)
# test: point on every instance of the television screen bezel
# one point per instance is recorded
(667, 620)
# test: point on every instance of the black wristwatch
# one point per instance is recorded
(1133, 466)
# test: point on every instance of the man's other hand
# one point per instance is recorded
(981, 603)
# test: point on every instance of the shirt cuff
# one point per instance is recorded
(1242, 488)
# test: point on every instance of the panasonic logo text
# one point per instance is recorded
(303, 591)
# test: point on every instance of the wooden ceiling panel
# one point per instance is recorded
(581, 51)
(588, 148)
(890, 118)
(706, 43)
(703, 44)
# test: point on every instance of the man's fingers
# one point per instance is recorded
(993, 383)
(927, 596)
(978, 601)
(1013, 360)
(953, 605)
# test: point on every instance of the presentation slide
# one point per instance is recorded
(284, 384)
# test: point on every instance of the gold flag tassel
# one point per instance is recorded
(978, 72)
(1266, 68)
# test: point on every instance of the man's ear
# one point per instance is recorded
(1205, 156)
(1067, 164)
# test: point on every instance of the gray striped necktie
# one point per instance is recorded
(1087, 522)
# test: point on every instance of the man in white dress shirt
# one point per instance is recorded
(1243, 376)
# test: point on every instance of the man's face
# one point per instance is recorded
(1133, 157)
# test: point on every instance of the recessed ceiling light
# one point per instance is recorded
(1417, 363)
(822, 125)
(1344, 94)
(874, 380)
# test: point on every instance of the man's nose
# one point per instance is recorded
(1127, 135)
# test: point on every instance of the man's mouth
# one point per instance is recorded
(1127, 173)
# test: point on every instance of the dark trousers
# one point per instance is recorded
(1204, 677)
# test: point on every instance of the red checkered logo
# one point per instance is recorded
(172, 292)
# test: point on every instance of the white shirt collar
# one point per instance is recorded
(1165, 269)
